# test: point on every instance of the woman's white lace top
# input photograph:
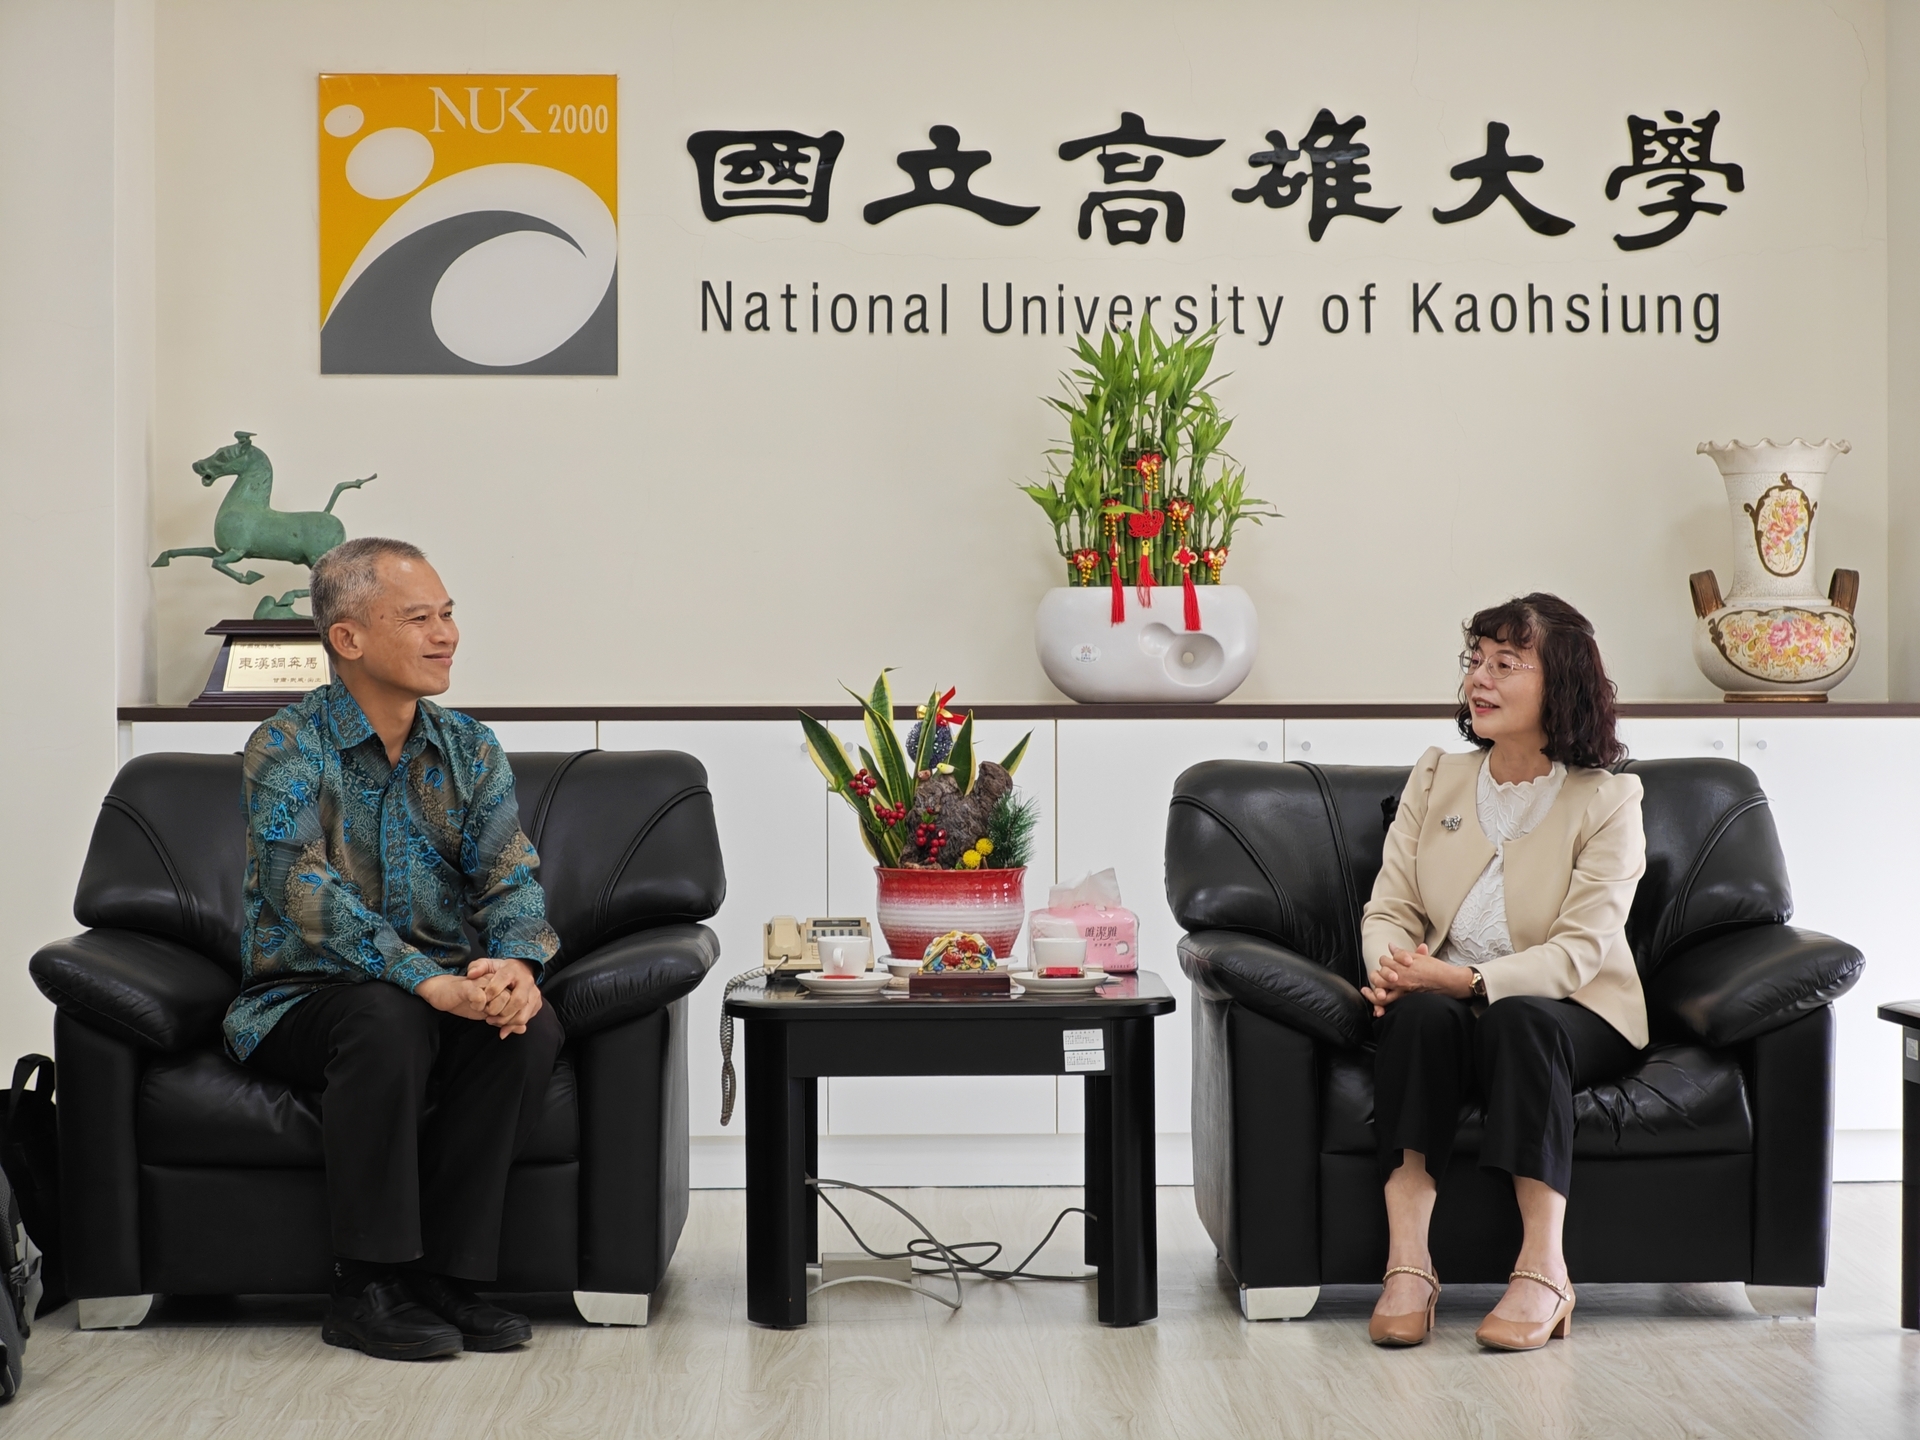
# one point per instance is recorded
(1479, 929)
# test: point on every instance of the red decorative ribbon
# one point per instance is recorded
(1185, 558)
(1144, 526)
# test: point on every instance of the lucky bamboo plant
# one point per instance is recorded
(1143, 491)
(926, 803)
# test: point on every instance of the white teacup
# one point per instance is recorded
(844, 955)
(1052, 950)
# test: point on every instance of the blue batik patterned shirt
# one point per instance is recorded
(360, 870)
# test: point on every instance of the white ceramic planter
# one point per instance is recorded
(1150, 657)
(1775, 635)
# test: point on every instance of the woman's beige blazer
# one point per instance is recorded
(1569, 883)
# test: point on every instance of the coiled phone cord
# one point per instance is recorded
(729, 1085)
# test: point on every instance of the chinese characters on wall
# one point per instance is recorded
(785, 172)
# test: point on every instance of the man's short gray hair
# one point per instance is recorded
(347, 577)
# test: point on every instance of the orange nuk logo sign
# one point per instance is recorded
(467, 225)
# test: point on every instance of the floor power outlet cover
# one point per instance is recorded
(853, 1265)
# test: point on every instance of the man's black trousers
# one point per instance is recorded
(421, 1113)
(1524, 1056)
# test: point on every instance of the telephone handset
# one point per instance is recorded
(794, 945)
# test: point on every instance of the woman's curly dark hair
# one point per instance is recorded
(1577, 698)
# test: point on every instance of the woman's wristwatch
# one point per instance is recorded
(1479, 991)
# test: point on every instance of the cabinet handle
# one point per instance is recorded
(1759, 744)
(1262, 745)
(1306, 747)
(1719, 744)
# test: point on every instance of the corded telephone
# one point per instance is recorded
(794, 945)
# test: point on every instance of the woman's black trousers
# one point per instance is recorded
(1522, 1056)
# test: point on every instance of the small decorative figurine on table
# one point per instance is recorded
(958, 952)
(960, 963)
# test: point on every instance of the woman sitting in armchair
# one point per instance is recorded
(1497, 955)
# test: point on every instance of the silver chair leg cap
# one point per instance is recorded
(1278, 1302)
(113, 1312)
(1784, 1302)
(600, 1307)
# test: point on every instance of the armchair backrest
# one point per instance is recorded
(1290, 852)
(169, 855)
(626, 840)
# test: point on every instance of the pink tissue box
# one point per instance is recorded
(1111, 934)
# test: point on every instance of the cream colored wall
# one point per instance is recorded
(57, 472)
(1903, 346)
(742, 518)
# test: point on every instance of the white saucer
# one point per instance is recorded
(821, 984)
(1060, 984)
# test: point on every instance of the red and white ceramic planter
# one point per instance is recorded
(916, 907)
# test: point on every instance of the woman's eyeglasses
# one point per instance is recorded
(1498, 667)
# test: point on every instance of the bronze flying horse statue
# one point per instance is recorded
(247, 526)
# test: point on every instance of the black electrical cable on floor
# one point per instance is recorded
(947, 1259)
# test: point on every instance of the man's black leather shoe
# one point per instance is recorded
(384, 1321)
(481, 1326)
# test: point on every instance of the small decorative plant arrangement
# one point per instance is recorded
(949, 834)
(1144, 498)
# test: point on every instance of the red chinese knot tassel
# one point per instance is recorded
(1119, 614)
(1185, 558)
(1146, 576)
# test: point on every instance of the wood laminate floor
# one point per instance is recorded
(1019, 1360)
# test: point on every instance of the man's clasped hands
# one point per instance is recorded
(1408, 972)
(504, 993)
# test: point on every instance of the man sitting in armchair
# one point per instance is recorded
(395, 940)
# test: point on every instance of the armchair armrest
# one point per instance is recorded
(631, 977)
(151, 993)
(1274, 982)
(1735, 987)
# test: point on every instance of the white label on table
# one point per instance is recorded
(1083, 1040)
(1081, 1061)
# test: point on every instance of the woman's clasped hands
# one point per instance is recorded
(1408, 972)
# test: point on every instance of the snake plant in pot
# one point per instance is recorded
(948, 832)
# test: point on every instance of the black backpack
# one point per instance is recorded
(19, 1289)
(30, 1156)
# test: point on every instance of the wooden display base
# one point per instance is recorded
(264, 662)
(962, 982)
(1749, 697)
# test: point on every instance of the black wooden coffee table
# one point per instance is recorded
(1906, 1014)
(794, 1037)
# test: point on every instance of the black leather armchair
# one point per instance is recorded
(1709, 1162)
(182, 1172)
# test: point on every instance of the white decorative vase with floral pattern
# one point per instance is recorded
(1774, 636)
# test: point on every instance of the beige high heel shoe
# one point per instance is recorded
(1413, 1327)
(1498, 1334)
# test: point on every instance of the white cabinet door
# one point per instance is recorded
(1369, 742)
(770, 807)
(1844, 794)
(1713, 737)
(1116, 779)
(912, 1105)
